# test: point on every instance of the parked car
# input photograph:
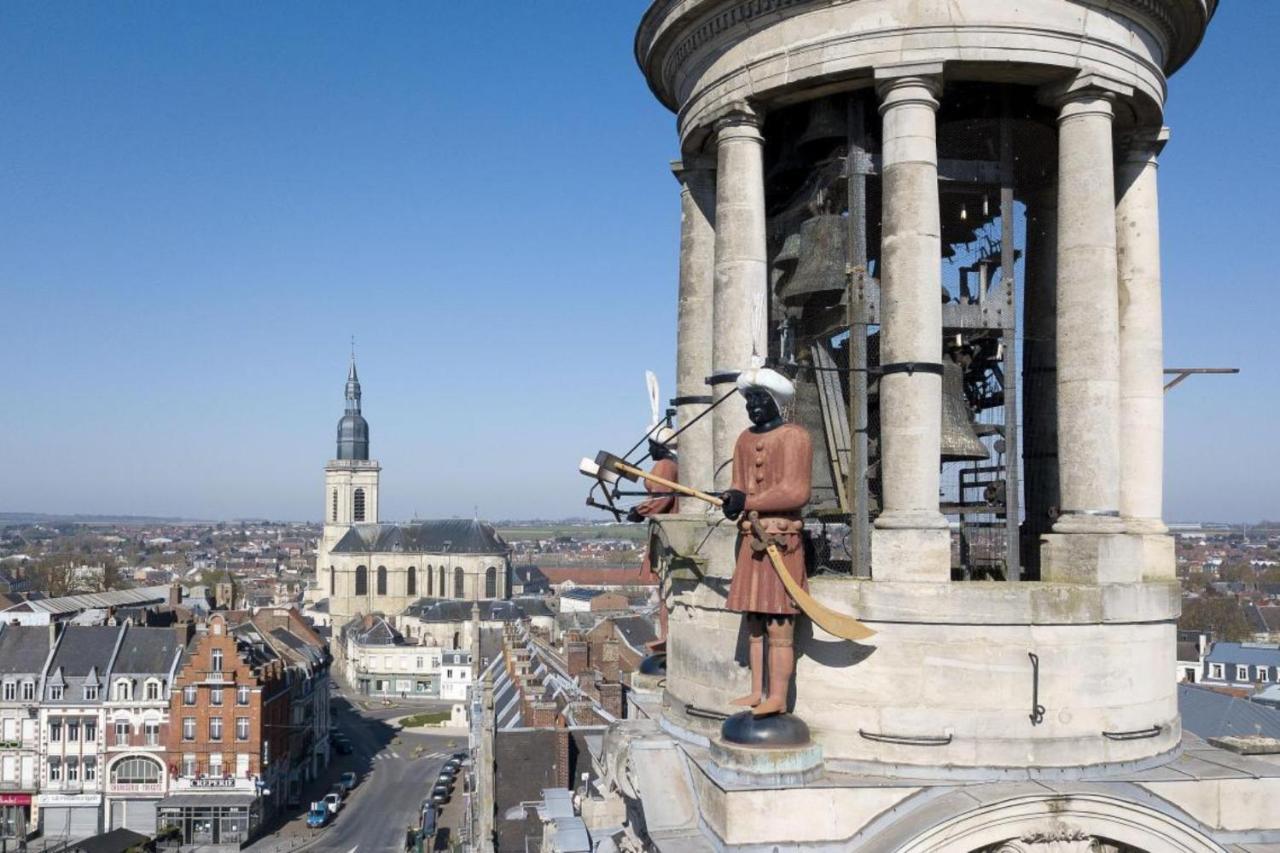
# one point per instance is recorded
(318, 815)
(440, 794)
(461, 756)
(427, 824)
(339, 789)
(445, 778)
(333, 801)
(455, 763)
(347, 780)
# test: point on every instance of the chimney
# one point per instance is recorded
(609, 664)
(611, 697)
(562, 755)
(175, 594)
(182, 630)
(53, 632)
(576, 656)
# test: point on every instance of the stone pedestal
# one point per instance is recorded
(772, 750)
(911, 554)
(1091, 558)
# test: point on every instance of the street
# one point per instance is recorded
(395, 772)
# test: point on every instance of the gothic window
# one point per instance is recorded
(442, 593)
(362, 580)
(335, 506)
(457, 583)
(411, 582)
(491, 582)
(431, 582)
(333, 581)
(382, 580)
(358, 515)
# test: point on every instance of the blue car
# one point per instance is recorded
(319, 815)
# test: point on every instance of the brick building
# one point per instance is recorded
(228, 739)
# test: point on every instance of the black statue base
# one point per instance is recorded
(772, 731)
(654, 664)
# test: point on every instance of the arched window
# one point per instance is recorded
(431, 582)
(411, 582)
(358, 503)
(123, 690)
(362, 580)
(442, 592)
(457, 583)
(152, 690)
(135, 770)
(333, 581)
(334, 511)
(457, 640)
(491, 582)
(382, 580)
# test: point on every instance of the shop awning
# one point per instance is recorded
(178, 801)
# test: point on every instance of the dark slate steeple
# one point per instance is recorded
(353, 429)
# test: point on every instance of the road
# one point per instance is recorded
(395, 772)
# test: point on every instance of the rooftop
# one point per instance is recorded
(444, 536)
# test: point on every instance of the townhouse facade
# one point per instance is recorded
(1242, 665)
(205, 727)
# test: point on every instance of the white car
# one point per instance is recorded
(333, 801)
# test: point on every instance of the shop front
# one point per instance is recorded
(212, 811)
(70, 816)
(15, 815)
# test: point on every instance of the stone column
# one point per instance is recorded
(1141, 342)
(1039, 388)
(694, 322)
(1088, 334)
(911, 540)
(740, 312)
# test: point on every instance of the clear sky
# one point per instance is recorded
(201, 202)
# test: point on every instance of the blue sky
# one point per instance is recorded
(201, 203)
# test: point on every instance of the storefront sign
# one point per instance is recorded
(213, 783)
(68, 799)
(15, 799)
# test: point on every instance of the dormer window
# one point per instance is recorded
(123, 690)
(28, 691)
(153, 690)
(10, 691)
(55, 692)
(91, 692)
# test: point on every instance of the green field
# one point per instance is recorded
(636, 532)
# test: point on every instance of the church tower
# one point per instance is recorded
(350, 479)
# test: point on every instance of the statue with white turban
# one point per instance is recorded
(772, 462)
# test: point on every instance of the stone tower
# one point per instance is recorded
(350, 478)
(845, 162)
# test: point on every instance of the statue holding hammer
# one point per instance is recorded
(772, 462)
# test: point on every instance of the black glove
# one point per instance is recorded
(634, 516)
(735, 501)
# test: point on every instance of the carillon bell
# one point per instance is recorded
(959, 442)
(820, 277)
(789, 254)
(827, 124)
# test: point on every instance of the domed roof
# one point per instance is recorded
(353, 429)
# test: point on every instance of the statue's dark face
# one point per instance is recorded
(760, 407)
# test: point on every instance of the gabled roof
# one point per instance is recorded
(1260, 654)
(1208, 713)
(23, 649)
(146, 651)
(444, 536)
(84, 648)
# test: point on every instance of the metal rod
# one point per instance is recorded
(857, 488)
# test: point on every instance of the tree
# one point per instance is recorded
(1223, 617)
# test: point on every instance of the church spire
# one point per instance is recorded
(353, 429)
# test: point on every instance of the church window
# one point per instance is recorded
(335, 506)
(358, 503)
(491, 582)
(362, 580)
(457, 582)
(431, 582)
(382, 580)
(333, 581)
(411, 582)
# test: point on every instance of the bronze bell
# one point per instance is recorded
(819, 278)
(827, 123)
(959, 442)
(789, 254)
